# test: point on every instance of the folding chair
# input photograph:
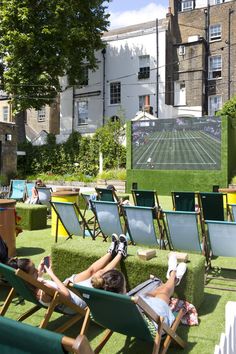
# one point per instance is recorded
(72, 219)
(44, 194)
(108, 218)
(18, 338)
(106, 195)
(141, 227)
(24, 284)
(183, 201)
(222, 243)
(183, 231)
(110, 311)
(28, 189)
(212, 205)
(17, 189)
(232, 211)
(145, 198)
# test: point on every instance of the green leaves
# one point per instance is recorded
(44, 39)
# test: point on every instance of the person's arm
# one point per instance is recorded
(61, 287)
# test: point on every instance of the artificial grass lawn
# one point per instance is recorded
(200, 339)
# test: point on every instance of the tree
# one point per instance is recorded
(42, 40)
(229, 108)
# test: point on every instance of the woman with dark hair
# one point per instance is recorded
(116, 252)
(158, 299)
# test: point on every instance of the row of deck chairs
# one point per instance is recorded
(107, 309)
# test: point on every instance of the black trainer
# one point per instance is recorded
(123, 244)
(114, 245)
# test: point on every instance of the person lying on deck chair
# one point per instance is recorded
(116, 252)
(158, 299)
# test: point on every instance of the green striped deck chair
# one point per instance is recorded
(183, 201)
(23, 285)
(141, 226)
(72, 219)
(183, 232)
(19, 338)
(222, 243)
(212, 205)
(106, 195)
(110, 311)
(145, 198)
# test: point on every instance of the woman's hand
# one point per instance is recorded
(41, 268)
(49, 271)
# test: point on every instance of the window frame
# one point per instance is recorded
(179, 103)
(4, 114)
(82, 120)
(144, 68)
(214, 38)
(188, 8)
(209, 104)
(115, 93)
(41, 117)
(211, 75)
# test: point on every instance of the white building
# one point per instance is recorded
(130, 77)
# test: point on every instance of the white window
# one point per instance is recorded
(5, 113)
(218, 2)
(144, 67)
(215, 67)
(115, 93)
(187, 5)
(144, 102)
(42, 115)
(215, 32)
(82, 112)
(179, 93)
(214, 103)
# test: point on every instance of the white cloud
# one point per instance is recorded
(132, 17)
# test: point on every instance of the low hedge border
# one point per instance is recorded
(74, 256)
(33, 216)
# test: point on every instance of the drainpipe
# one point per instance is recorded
(157, 71)
(229, 54)
(104, 86)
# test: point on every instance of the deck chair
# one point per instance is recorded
(18, 338)
(108, 218)
(232, 211)
(28, 189)
(23, 284)
(106, 195)
(212, 205)
(17, 189)
(72, 219)
(183, 201)
(141, 226)
(44, 194)
(145, 198)
(110, 311)
(222, 242)
(183, 232)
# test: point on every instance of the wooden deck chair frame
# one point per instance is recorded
(184, 225)
(16, 337)
(89, 206)
(97, 299)
(222, 243)
(140, 224)
(140, 200)
(77, 212)
(232, 211)
(19, 187)
(106, 195)
(109, 222)
(23, 284)
(187, 199)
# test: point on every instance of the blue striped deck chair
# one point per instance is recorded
(72, 219)
(183, 231)
(222, 243)
(29, 186)
(44, 194)
(19, 338)
(122, 314)
(141, 226)
(232, 211)
(183, 201)
(17, 189)
(108, 218)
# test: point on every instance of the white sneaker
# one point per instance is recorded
(172, 265)
(180, 271)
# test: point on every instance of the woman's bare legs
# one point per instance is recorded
(166, 290)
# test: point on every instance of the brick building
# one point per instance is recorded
(201, 69)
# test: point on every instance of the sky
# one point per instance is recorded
(130, 12)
